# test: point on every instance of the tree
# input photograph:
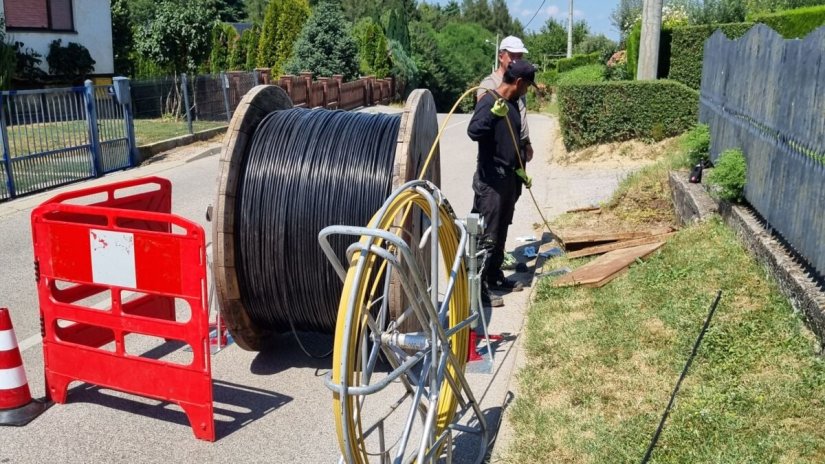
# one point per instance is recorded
(122, 39)
(403, 68)
(250, 38)
(325, 45)
(373, 56)
(625, 15)
(177, 38)
(228, 11)
(479, 12)
(397, 28)
(501, 21)
(282, 25)
(255, 10)
(596, 43)
(224, 40)
(353, 10)
(463, 47)
(8, 57)
(433, 72)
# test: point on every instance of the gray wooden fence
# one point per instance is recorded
(766, 96)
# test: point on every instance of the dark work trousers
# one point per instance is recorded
(495, 200)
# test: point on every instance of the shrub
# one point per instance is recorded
(582, 75)
(616, 69)
(623, 110)
(577, 61)
(547, 78)
(793, 24)
(688, 48)
(73, 60)
(697, 144)
(729, 175)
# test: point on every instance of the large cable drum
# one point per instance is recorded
(287, 173)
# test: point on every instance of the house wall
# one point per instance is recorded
(93, 26)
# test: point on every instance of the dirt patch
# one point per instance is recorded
(629, 154)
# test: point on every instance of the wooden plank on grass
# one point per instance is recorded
(585, 209)
(599, 249)
(574, 236)
(605, 268)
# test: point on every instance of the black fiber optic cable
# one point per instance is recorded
(305, 170)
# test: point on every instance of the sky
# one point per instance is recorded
(595, 12)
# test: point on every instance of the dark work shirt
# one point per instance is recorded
(497, 157)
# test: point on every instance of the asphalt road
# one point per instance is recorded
(270, 406)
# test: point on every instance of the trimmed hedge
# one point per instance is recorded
(688, 48)
(622, 110)
(582, 75)
(577, 61)
(688, 43)
(793, 24)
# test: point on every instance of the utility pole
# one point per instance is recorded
(570, 30)
(495, 54)
(649, 46)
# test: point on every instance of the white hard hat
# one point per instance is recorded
(512, 44)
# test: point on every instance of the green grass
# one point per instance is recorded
(602, 362)
(38, 138)
(154, 130)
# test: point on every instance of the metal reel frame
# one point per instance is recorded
(429, 364)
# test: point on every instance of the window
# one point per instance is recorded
(53, 15)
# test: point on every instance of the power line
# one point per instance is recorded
(535, 14)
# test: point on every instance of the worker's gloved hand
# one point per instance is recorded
(528, 181)
(499, 108)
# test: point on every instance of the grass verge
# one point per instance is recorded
(601, 363)
(154, 130)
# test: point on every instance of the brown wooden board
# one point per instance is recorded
(574, 236)
(603, 269)
(599, 249)
(585, 209)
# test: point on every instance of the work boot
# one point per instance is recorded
(505, 284)
(490, 299)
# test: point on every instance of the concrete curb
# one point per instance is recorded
(795, 281)
(147, 151)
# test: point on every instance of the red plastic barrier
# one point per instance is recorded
(121, 240)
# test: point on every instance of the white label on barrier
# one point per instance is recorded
(12, 378)
(113, 258)
(7, 340)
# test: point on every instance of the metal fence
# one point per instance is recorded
(766, 96)
(53, 137)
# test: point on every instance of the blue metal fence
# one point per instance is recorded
(53, 137)
(766, 96)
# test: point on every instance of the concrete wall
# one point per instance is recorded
(93, 26)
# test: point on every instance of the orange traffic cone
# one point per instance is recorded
(16, 404)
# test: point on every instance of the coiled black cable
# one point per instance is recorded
(305, 170)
